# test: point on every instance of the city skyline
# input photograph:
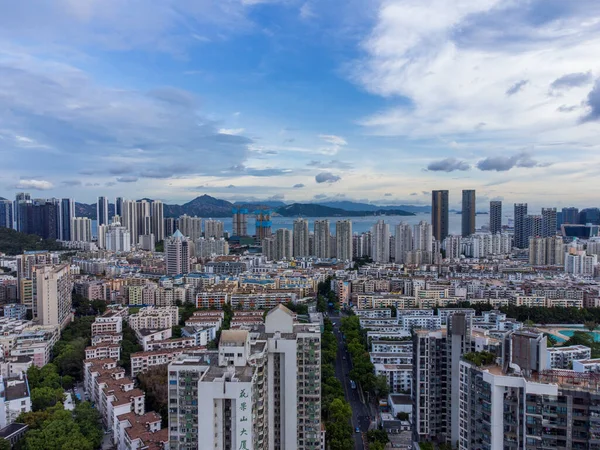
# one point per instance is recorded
(299, 100)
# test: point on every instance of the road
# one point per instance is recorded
(343, 365)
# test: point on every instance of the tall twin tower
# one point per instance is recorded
(440, 211)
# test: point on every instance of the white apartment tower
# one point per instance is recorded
(322, 237)
(117, 238)
(157, 212)
(129, 220)
(301, 238)
(190, 227)
(404, 241)
(177, 253)
(343, 237)
(381, 242)
(423, 233)
(283, 244)
(81, 229)
(213, 228)
(54, 286)
(260, 391)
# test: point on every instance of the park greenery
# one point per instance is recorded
(587, 339)
(129, 345)
(154, 382)
(54, 428)
(377, 439)
(15, 243)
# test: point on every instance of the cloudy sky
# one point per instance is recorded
(301, 99)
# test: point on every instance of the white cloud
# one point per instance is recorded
(450, 64)
(231, 131)
(336, 142)
(307, 12)
(41, 185)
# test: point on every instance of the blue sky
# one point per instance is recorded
(379, 100)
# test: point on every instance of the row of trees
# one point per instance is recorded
(15, 243)
(337, 412)
(362, 368)
(541, 315)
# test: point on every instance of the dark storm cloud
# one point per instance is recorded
(448, 165)
(327, 177)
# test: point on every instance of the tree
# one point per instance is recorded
(60, 433)
(4, 444)
(381, 387)
(88, 419)
(45, 397)
(155, 383)
(591, 325)
(403, 416)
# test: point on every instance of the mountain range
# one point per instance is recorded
(207, 206)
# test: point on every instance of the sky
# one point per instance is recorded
(301, 100)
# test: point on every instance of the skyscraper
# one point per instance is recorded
(570, 215)
(283, 244)
(40, 217)
(144, 217)
(548, 222)
(521, 240)
(177, 254)
(439, 214)
(20, 197)
(102, 211)
(119, 207)
(343, 238)
(240, 222)
(129, 219)
(423, 233)
(117, 238)
(81, 229)
(263, 224)
(495, 217)
(158, 220)
(381, 242)
(170, 226)
(6, 214)
(190, 226)
(532, 225)
(468, 212)
(67, 212)
(301, 238)
(322, 237)
(404, 241)
(213, 228)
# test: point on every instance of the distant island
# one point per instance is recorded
(207, 206)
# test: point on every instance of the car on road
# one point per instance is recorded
(357, 430)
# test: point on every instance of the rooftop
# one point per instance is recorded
(237, 337)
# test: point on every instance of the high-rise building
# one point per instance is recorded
(570, 215)
(240, 222)
(548, 222)
(435, 392)
(403, 242)
(263, 224)
(301, 238)
(144, 217)
(129, 220)
(546, 251)
(468, 212)
(521, 239)
(102, 211)
(423, 237)
(589, 215)
(119, 206)
(322, 237)
(533, 225)
(81, 229)
(170, 226)
(343, 238)
(495, 217)
(452, 246)
(6, 214)
(177, 254)
(67, 213)
(54, 287)
(157, 213)
(40, 217)
(206, 247)
(439, 214)
(213, 229)
(190, 226)
(254, 393)
(117, 238)
(381, 242)
(20, 197)
(283, 244)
